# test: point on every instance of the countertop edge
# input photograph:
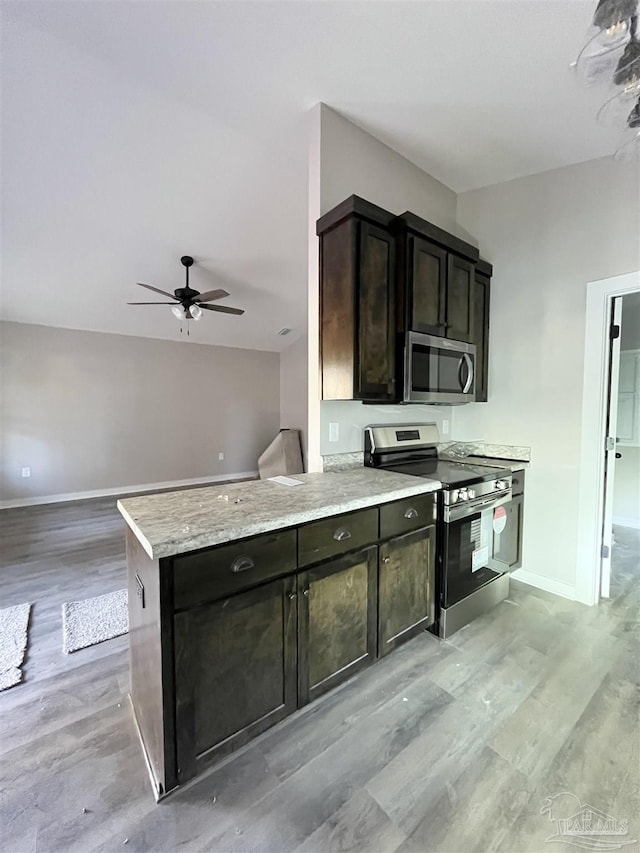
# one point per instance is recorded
(136, 531)
(292, 519)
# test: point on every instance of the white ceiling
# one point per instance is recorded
(136, 132)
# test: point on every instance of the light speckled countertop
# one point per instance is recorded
(175, 522)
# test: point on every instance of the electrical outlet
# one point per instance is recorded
(26, 472)
(334, 432)
(445, 427)
(220, 456)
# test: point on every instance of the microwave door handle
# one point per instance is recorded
(469, 382)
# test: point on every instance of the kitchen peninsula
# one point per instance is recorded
(249, 600)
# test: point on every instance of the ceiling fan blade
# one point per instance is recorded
(224, 309)
(150, 303)
(157, 290)
(211, 295)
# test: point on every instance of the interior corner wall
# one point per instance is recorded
(293, 389)
(352, 162)
(88, 411)
(547, 236)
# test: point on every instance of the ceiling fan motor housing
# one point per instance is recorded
(186, 294)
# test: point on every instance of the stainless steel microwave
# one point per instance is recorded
(438, 370)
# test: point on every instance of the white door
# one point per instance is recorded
(610, 448)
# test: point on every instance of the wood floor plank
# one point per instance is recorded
(475, 812)
(359, 826)
(556, 704)
(412, 782)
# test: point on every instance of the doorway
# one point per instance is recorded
(597, 463)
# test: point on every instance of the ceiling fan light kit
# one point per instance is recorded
(190, 302)
(612, 55)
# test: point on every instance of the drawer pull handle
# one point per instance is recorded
(242, 564)
(341, 534)
(411, 513)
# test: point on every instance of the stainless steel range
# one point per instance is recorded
(470, 515)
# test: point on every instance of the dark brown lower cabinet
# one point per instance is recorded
(406, 593)
(336, 621)
(235, 671)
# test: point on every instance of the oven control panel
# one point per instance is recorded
(464, 494)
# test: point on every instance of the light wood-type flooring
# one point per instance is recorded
(442, 746)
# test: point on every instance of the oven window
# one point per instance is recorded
(436, 369)
(465, 555)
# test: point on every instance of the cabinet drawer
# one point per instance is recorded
(408, 514)
(217, 572)
(336, 535)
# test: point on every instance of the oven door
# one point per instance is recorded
(438, 370)
(467, 562)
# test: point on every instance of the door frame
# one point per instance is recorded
(600, 294)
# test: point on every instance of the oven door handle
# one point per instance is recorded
(460, 511)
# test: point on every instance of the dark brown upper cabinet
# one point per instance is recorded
(435, 280)
(426, 286)
(357, 302)
(481, 294)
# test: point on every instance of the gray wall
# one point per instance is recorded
(90, 411)
(293, 388)
(547, 236)
(354, 162)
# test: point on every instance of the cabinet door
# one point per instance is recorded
(460, 301)
(406, 594)
(235, 671)
(507, 545)
(375, 368)
(336, 621)
(481, 334)
(427, 277)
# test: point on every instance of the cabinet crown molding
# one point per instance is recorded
(354, 206)
(410, 222)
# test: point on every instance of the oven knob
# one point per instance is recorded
(471, 493)
(501, 484)
(464, 495)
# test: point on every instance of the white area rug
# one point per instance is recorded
(93, 620)
(13, 643)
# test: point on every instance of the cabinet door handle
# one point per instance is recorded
(305, 592)
(341, 534)
(411, 512)
(242, 564)
(385, 559)
(292, 595)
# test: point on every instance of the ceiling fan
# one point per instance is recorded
(188, 303)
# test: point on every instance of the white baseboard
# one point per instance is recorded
(125, 490)
(565, 590)
(627, 522)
